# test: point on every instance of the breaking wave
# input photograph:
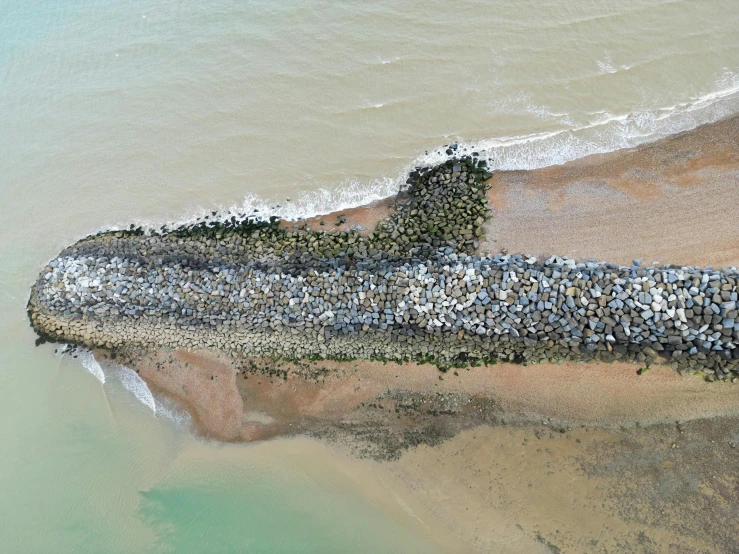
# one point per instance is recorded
(163, 407)
(599, 133)
(605, 132)
(135, 385)
(160, 407)
(90, 364)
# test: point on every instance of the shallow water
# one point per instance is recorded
(148, 112)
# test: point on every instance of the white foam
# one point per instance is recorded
(169, 410)
(603, 133)
(608, 118)
(522, 102)
(136, 385)
(391, 60)
(90, 364)
(729, 83)
(606, 65)
(132, 382)
(160, 407)
(324, 200)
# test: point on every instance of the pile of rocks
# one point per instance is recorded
(441, 207)
(412, 290)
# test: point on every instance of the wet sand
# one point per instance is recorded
(542, 458)
(663, 489)
(256, 399)
(513, 459)
(362, 219)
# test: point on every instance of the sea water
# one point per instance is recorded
(158, 111)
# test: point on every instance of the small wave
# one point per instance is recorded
(369, 106)
(604, 133)
(170, 411)
(388, 61)
(606, 65)
(132, 382)
(730, 86)
(90, 364)
(605, 117)
(522, 102)
(347, 195)
(324, 200)
(160, 407)
(136, 385)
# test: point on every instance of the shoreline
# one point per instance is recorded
(411, 421)
(699, 149)
(528, 206)
(420, 288)
(669, 201)
(255, 399)
(504, 480)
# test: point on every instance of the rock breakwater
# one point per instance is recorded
(412, 290)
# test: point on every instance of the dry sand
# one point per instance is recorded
(675, 201)
(545, 458)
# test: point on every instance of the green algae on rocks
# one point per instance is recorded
(414, 289)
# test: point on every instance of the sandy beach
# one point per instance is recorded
(416, 278)
(673, 202)
(541, 458)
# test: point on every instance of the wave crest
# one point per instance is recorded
(91, 364)
(603, 132)
(135, 385)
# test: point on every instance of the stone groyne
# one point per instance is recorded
(414, 289)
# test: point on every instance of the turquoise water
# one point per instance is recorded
(95, 471)
(120, 111)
